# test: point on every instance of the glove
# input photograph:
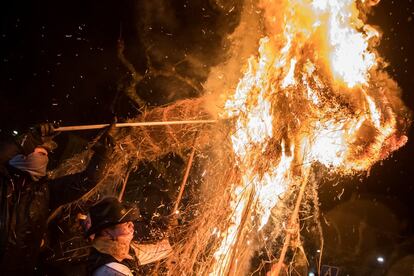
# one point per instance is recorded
(45, 130)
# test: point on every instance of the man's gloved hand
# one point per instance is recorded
(46, 129)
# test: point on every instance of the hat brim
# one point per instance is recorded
(132, 214)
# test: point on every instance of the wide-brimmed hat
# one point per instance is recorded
(29, 141)
(109, 212)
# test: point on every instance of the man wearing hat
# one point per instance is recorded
(27, 196)
(113, 252)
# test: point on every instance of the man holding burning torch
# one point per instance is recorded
(27, 196)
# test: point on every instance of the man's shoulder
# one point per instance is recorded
(113, 269)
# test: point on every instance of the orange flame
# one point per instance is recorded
(306, 98)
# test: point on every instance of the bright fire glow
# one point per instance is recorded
(305, 98)
(349, 55)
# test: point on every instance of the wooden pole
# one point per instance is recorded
(124, 182)
(178, 200)
(134, 124)
(293, 219)
(187, 172)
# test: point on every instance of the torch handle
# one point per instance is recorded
(134, 124)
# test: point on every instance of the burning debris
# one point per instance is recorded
(316, 93)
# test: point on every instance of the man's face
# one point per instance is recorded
(124, 231)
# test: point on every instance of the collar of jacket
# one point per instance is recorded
(114, 248)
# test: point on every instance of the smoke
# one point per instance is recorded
(244, 42)
(180, 42)
(158, 12)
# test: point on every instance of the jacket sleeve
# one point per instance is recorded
(113, 269)
(72, 187)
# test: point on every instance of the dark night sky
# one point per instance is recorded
(58, 62)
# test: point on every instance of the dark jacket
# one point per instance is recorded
(25, 206)
(97, 259)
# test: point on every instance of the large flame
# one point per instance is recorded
(307, 97)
